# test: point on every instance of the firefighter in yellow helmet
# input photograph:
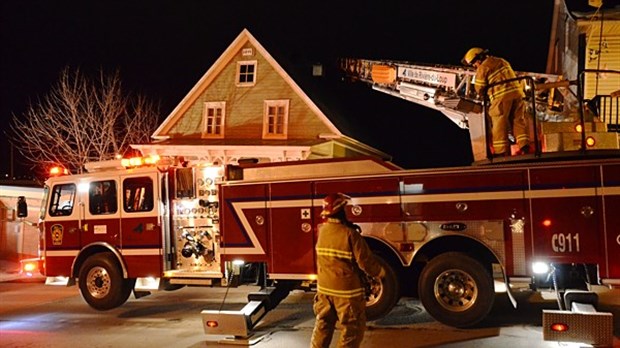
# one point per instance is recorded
(341, 253)
(506, 109)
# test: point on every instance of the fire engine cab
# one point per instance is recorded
(448, 236)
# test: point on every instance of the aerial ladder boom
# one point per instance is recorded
(442, 88)
(449, 90)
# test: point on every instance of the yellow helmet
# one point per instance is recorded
(474, 54)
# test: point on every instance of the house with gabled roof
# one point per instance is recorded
(246, 106)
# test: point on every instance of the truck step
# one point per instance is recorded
(568, 326)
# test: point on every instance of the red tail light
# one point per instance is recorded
(559, 327)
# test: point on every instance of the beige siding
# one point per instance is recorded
(244, 105)
(603, 53)
(604, 57)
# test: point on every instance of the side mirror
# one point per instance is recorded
(22, 207)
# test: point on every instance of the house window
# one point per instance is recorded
(214, 119)
(246, 73)
(275, 119)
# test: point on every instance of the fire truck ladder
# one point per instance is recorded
(443, 88)
(448, 89)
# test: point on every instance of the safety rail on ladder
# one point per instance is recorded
(604, 111)
(608, 110)
(447, 89)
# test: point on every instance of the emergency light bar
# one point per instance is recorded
(58, 171)
(123, 163)
(139, 161)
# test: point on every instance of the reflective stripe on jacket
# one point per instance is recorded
(493, 70)
(340, 253)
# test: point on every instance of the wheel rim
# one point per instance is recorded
(456, 290)
(376, 290)
(98, 282)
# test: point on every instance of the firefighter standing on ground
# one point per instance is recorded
(507, 108)
(341, 253)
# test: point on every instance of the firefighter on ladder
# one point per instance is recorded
(506, 108)
(341, 254)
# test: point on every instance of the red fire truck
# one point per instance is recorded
(450, 236)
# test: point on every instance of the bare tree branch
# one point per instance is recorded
(82, 120)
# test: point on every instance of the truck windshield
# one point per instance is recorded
(61, 202)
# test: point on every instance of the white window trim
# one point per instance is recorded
(213, 105)
(275, 103)
(246, 62)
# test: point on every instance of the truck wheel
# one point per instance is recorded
(456, 289)
(101, 283)
(384, 293)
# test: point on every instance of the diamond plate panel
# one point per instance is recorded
(591, 328)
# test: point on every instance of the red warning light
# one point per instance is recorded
(212, 324)
(546, 222)
(559, 327)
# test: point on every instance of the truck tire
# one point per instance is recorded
(384, 293)
(101, 283)
(456, 290)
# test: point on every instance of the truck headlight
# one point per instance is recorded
(540, 267)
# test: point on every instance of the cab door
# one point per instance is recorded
(140, 228)
(61, 228)
(101, 214)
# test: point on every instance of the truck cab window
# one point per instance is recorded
(62, 200)
(138, 194)
(102, 197)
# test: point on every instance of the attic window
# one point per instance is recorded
(246, 73)
(275, 124)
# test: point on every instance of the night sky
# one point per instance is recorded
(162, 48)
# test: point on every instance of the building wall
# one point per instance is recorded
(602, 53)
(18, 237)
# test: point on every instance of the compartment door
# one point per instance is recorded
(292, 229)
